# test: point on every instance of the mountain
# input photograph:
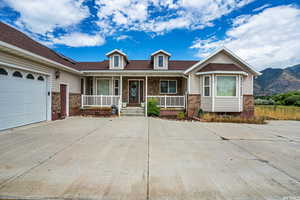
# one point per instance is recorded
(274, 81)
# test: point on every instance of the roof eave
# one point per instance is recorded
(38, 57)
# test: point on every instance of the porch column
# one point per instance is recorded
(94, 85)
(146, 96)
(112, 85)
(121, 88)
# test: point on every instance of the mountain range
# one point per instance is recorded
(274, 81)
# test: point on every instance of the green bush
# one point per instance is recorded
(200, 112)
(297, 103)
(264, 102)
(280, 99)
(153, 109)
(291, 100)
(180, 115)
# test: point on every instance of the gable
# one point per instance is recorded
(223, 56)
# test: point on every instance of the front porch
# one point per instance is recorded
(134, 91)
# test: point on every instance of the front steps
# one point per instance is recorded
(133, 111)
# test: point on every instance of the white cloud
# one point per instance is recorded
(122, 37)
(160, 16)
(79, 40)
(261, 7)
(46, 15)
(268, 39)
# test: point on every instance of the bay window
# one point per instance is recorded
(226, 86)
(168, 87)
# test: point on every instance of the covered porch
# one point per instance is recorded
(134, 91)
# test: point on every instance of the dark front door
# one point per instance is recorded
(63, 101)
(134, 92)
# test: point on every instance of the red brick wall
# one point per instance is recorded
(193, 104)
(248, 106)
(74, 104)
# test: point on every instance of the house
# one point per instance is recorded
(38, 84)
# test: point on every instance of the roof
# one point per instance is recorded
(220, 67)
(161, 51)
(14, 37)
(135, 65)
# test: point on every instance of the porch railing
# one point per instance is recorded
(100, 100)
(166, 101)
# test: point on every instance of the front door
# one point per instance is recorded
(63, 101)
(134, 91)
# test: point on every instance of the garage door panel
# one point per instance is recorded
(22, 101)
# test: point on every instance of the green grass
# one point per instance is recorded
(278, 112)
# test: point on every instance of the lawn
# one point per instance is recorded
(278, 112)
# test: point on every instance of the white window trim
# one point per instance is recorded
(114, 66)
(162, 60)
(236, 86)
(168, 87)
(204, 86)
(109, 82)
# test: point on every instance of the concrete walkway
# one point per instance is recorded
(145, 158)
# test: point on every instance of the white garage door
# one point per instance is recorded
(23, 98)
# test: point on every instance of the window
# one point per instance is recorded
(116, 84)
(206, 86)
(226, 86)
(17, 74)
(30, 76)
(103, 87)
(40, 78)
(3, 72)
(116, 61)
(160, 61)
(168, 87)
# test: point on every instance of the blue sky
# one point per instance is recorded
(265, 33)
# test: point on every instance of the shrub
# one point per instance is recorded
(153, 109)
(232, 119)
(264, 102)
(291, 100)
(200, 113)
(180, 115)
(297, 103)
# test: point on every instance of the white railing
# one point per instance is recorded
(100, 100)
(169, 101)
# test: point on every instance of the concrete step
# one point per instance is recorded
(133, 111)
(132, 114)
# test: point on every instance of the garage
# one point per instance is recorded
(23, 98)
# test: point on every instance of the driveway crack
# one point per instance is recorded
(148, 159)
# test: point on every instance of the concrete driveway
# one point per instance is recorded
(146, 158)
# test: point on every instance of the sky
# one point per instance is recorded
(265, 33)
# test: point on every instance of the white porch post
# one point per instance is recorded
(112, 85)
(94, 85)
(121, 88)
(146, 96)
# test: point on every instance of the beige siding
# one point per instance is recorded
(206, 104)
(65, 77)
(194, 84)
(226, 104)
